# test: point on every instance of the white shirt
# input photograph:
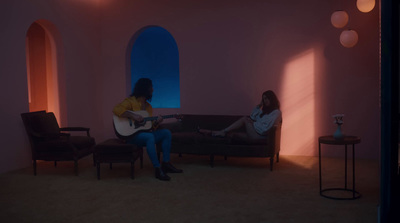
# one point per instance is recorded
(264, 123)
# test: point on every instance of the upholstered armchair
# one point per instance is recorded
(49, 142)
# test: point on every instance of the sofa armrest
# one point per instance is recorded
(274, 137)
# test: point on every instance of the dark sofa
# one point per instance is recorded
(187, 140)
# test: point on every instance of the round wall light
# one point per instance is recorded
(349, 38)
(365, 5)
(339, 19)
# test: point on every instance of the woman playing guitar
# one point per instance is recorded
(131, 109)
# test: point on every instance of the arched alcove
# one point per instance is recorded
(154, 54)
(42, 67)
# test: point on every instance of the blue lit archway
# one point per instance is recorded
(155, 55)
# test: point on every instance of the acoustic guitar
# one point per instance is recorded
(126, 127)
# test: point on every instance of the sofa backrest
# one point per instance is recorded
(190, 122)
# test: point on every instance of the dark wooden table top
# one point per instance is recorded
(345, 141)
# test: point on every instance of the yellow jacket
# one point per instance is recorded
(133, 105)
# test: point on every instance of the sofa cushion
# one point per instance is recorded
(216, 140)
(198, 138)
(187, 137)
(235, 138)
(240, 138)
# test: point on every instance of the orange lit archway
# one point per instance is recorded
(42, 72)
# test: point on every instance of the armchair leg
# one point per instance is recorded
(98, 170)
(110, 166)
(55, 163)
(271, 163)
(277, 157)
(34, 167)
(212, 160)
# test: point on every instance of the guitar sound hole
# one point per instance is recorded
(139, 124)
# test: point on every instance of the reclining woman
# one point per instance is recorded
(262, 118)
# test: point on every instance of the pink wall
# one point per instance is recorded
(230, 52)
(78, 53)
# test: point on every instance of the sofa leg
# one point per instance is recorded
(76, 167)
(277, 157)
(180, 154)
(271, 163)
(110, 166)
(212, 160)
(226, 157)
(34, 167)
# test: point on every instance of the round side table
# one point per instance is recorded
(347, 140)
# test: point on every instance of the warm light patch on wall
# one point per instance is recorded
(42, 72)
(298, 105)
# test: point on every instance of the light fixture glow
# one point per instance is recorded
(349, 38)
(339, 19)
(365, 5)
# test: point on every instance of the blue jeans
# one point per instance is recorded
(150, 139)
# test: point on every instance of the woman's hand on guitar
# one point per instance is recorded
(159, 119)
(136, 117)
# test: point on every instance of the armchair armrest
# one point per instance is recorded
(82, 129)
(64, 134)
(49, 135)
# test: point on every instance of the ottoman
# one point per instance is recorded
(117, 151)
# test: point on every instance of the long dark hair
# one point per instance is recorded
(273, 102)
(142, 89)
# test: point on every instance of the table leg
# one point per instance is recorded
(354, 175)
(345, 167)
(320, 176)
(345, 189)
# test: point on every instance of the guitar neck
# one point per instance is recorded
(156, 117)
